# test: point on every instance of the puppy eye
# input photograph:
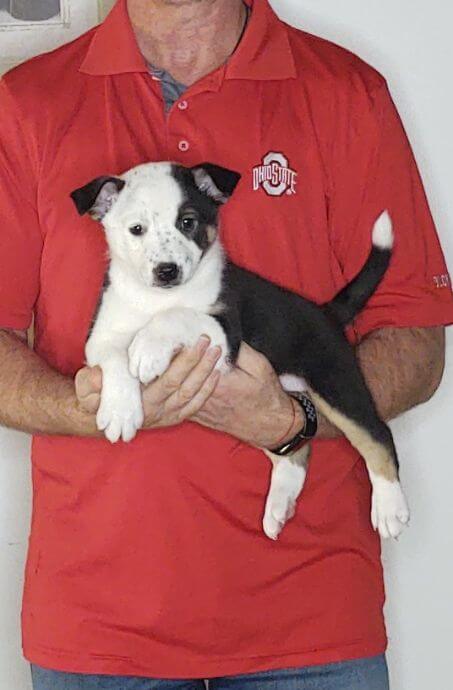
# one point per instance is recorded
(189, 224)
(137, 229)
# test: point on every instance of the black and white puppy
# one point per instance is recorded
(169, 282)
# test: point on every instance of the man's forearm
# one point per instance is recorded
(402, 368)
(36, 399)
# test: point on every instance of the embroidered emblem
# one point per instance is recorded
(442, 281)
(275, 175)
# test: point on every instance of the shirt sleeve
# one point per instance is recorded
(374, 170)
(20, 234)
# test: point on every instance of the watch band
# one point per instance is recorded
(307, 432)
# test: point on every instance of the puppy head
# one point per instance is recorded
(159, 218)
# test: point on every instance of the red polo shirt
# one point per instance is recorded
(148, 558)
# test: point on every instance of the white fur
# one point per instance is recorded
(293, 384)
(149, 323)
(389, 511)
(154, 345)
(383, 232)
(120, 413)
(287, 481)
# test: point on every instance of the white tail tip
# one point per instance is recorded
(383, 232)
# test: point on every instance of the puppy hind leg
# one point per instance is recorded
(287, 481)
(390, 512)
(389, 508)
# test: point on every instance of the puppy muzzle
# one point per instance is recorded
(167, 275)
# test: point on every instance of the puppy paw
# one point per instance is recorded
(120, 414)
(287, 482)
(149, 356)
(279, 510)
(389, 511)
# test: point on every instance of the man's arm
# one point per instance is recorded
(37, 399)
(402, 367)
(33, 397)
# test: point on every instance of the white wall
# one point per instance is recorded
(15, 509)
(410, 42)
(20, 40)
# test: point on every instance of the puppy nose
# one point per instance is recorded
(166, 274)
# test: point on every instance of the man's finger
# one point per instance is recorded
(203, 395)
(88, 381)
(90, 403)
(179, 369)
(252, 362)
(197, 377)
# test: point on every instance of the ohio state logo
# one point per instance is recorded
(275, 176)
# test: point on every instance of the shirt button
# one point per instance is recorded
(183, 105)
(184, 145)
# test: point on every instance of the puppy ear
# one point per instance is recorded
(98, 196)
(218, 183)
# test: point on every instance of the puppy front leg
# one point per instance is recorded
(120, 413)
(154, 346)
(287, 481)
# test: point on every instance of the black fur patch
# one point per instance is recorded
(351, 300)
(206, 209)
(302, 338)
(85, 197)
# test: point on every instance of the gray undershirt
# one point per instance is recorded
(172, 90)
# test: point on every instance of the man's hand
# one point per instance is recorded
(250, 404)
(175, 396)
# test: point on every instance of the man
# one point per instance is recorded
(147, 560)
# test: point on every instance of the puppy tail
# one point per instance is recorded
(352, 298)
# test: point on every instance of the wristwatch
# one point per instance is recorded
(307, 432)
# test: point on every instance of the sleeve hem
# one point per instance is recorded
(430, 314)
(15, 322)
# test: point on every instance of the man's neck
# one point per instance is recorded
(187, 38)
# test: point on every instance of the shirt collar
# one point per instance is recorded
(265, 51)
(263, 54)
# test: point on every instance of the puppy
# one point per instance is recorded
(169, 282)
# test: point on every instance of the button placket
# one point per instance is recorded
(183, 144)
(177, 128)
